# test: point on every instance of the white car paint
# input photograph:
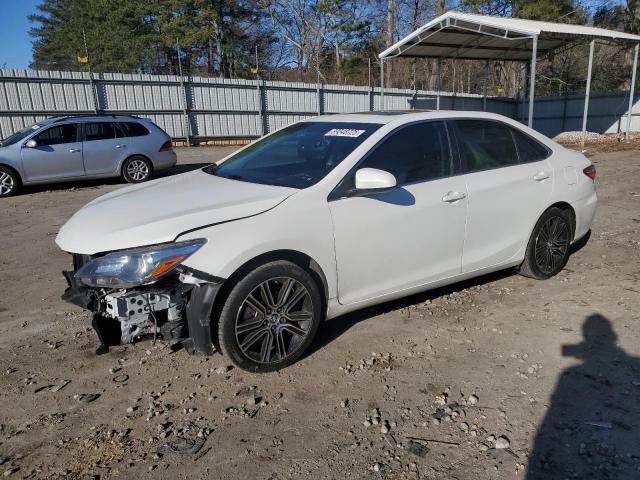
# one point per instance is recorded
(159, 210)
(422, 236)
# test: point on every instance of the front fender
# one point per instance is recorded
(232, 244)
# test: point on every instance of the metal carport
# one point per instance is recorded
(482, 37)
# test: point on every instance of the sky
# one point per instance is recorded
(15, 43)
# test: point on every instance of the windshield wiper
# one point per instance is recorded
(234, 176)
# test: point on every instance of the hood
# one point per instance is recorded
(160, 210)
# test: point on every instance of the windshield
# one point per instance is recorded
(19, 135)
(297, 156)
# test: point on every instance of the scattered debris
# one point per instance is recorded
(185, 446)
(502, 442)
(60, 386)
(87, 397)
(123, 377)
(417, 449)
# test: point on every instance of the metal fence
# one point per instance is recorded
(216, 108)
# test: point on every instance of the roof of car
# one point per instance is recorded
(404, 116)
(86, 117)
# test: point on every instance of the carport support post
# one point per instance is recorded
(439, 84)
(586, 95)
(632, 89)
(532, 79)
(484, 93)
(382, 84)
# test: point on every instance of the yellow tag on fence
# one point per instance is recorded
(83, 59)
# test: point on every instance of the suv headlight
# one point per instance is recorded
(138, 266)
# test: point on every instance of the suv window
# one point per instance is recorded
(529, 150)
(67, 133)
(134, 129)
(101, 131)
(485, 144)
(415, 153)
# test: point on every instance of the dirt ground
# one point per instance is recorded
(424, 388)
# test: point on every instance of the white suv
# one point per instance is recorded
(323, 217)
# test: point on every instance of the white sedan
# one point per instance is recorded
(325, 216)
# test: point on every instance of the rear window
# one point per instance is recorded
(529, 150)
(134, 129)
(485, 144)
(101, 131)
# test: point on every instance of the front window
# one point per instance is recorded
(19, 135)
(66, 133)
(297, 156)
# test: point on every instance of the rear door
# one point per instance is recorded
(104, 147)
(410, 236)
(58, 154)
(509, 184)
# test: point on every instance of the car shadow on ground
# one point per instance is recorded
(95, 183)
(332, 329)
(592, 427)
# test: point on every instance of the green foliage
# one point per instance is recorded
(116, 34)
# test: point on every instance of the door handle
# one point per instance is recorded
(540, 176)
(120, 146)
(74, 150)
(451, 197)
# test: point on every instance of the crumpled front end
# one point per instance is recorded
(177, 307)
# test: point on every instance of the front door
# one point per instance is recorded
(57, 154)
(410, 236)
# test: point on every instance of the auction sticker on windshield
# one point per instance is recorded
(344, 132)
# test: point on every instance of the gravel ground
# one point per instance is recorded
(498, 378)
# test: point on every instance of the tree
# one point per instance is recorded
(116, 35)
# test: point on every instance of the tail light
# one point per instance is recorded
(590, 172)
(168, 145)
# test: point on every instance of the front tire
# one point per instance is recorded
(548, 248)
(9, 182)
(136, 169)
(270, 317)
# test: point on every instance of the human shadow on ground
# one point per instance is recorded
(592, 427)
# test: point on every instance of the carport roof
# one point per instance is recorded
(484, 37)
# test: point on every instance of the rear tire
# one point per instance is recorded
(9, 182)
(270, 317)
(548, 249)
(136, 169)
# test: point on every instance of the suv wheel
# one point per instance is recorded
(548, 248)
(136, 169)
(9, 182)
(270, 317)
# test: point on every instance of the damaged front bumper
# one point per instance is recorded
(177, 307)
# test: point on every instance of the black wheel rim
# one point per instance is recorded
(274, 320)
(552, 243)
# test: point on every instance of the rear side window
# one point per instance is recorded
(485, 145)
(133, 129)
(416, 153)
(529, 150)
(67, 133)
(101, 131)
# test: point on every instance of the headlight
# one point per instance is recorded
(138, 266)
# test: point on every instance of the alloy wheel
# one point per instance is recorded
(138, 170)
(6, 183)
(274, 320)
(552, 243)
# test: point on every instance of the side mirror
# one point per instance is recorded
(372, 180)
(31, 144)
